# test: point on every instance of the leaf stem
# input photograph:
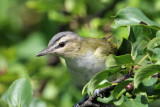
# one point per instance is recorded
(132, 51)
(141, 60)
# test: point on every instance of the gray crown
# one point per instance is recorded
(59, 35)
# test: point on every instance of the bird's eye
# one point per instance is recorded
(61, 44)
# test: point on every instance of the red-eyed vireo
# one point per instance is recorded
(84, 57)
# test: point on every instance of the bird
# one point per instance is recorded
(84, 56)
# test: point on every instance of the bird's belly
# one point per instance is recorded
(83, 71)
(81, 76)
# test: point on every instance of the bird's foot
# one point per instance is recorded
(77, 105)
(97, 93)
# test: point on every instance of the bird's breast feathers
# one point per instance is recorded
(85, 67)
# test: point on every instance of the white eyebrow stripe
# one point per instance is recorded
(58, 36)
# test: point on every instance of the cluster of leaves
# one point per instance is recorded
(137, 54)
(20, 94)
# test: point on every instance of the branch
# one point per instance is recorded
(92, 100)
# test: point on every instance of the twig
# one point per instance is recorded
(43, 85)
(141, 60)
(92, 100)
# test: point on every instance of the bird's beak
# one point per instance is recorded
(42, 53)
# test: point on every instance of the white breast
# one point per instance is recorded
(85, 67)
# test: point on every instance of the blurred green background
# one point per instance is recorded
(26, 26)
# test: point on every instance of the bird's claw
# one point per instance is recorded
(97, 93)
(77, 105)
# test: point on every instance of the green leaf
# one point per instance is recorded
(125, 47)
(120, 88)
(154, 43)
(148, 85)
(136, 32)
(154, 54)
(99, 77)
(154, 46)
(138, 48)
(139, 101)
(133, 16)
(4, 96)
(157, 86)
(120, 33)
(113, 60)
(139, 58)
(132, 36)
(119, 101)
(144, 73)
(20, 93)
(158, 34)
(158, 62)
(142, 33)
(103, 84)
(106, 99)
(85, 89)
(140, 36)
(37, 103)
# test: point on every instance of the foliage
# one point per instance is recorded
(26, 26)
(19, 94)
(137, 90)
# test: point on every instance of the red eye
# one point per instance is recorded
(61, 44)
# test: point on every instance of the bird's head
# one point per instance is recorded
(64, 44)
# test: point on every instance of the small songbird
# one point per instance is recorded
(84, 57)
